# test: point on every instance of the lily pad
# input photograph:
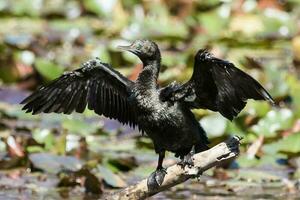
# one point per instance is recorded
(53, 163)
(274, 121)
(264, 161)
(111, 178)
(258, 176)
(80, 127)
(289, 145)
(214, 125)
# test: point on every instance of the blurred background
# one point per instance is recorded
(83, 156)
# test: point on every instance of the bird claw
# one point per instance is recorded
(233, 144)
(156, 179)
(186, 161)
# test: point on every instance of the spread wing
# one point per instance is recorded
(216, 85)
(95, 85)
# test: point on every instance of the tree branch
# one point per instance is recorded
(175, 174)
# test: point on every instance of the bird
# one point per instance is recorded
(163, 113)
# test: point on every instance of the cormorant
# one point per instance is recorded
(164, 114)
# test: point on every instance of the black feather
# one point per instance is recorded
(218, 85)
(95, 85)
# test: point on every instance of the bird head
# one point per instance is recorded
(146, 50)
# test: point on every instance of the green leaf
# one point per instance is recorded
(296, 174)
(252, 175)
(265, 161)
(289, 144)
(35, 149)
(294, 85)
(234, 128)
(53, 164)
(243, 161)
(214, 125)
(111, 178)
(80, 127)
(25, 7)
(277, 77)
(44, 136)
(143, 171)
(100, 7)
(213, 22)
(258, 108)
(276, 20)
(48, 69)
(274, 121)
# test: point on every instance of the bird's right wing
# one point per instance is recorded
(95, 85)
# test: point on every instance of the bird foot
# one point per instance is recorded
(156, 179)
(234, 143)
(186, 161)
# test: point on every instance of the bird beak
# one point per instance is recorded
(128, 48)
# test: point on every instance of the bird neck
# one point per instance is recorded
(147, 79)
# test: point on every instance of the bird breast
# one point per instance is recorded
(154, 113)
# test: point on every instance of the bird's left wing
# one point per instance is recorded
(217, 85)
(95, 85)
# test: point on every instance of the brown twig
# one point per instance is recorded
(175, 174)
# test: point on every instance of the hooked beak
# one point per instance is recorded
(128, 48)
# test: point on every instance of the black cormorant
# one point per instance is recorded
(164, 114)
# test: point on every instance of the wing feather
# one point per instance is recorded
(95, 85)
(82, 101)
(216, 85)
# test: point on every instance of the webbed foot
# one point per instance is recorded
(234, 143)
(156, 179)
(188, 159)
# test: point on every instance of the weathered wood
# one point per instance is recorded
(175, 174)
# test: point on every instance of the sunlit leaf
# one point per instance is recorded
(53, 163)
(44, 136)
(277, 77)
(212, 22)
(48, 69)
(258, 108)
(289, 144)
(274, 121)
(100, 7)
(80, 127)
(214, 125)
(26, 7)
(264, 161)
